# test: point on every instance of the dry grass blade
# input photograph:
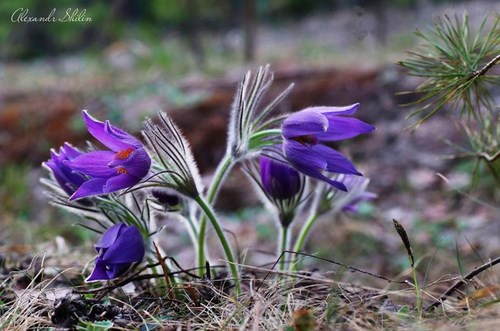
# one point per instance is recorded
(170, 291)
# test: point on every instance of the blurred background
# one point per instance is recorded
(125, 60)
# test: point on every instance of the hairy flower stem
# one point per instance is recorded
(192, 231)
(417, 292)
(283, 248)
(304, 232)
(220, 173)
(222, 238)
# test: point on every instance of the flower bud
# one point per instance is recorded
(119, 247)
(279, 180)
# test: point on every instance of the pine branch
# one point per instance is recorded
(450, 61)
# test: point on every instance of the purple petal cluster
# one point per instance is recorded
(306, 130)
(119, 247)
(67, 178)
(122, 166)
(170, 201)
(353, 205)
(279, 180)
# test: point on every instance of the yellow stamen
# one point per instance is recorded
(124, 154)
(121, 170)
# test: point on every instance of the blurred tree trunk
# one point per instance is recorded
(193, 34)
(380, 12)
(250, 29)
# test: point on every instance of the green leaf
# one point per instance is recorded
(95, 326)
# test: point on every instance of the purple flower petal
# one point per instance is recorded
(353, 205)
(109, 171)
(70, 151)
(91, 187)
(335, 111)
(121, 135)
(128, 247)
(99, 272)
(120, 182)
(304, 123)
(116, 269)
(55, 164)
(341, 128)
(94, 164)
(279, 179)
(113, 138)
(336, 162)
(301, 156)
(118, 248)
(67, 179)
(105, 271)
(309, 162)
(109, 237)
(315, 173)
(304, 131)
(334, 183)
(137, 163)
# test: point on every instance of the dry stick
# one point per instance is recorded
(487, 67)
(350, 268)
(166, 273)
(329, 261)
(463, 281)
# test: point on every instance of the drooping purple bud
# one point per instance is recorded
(279, 180)
(170, 201)
(353, 205)
(119, 247)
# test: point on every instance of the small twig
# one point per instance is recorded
(329, 261)
(463, 281)
(480, 155)
(166, 273)
(487, 67)
(349, 267)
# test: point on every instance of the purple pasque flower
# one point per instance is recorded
(123, 166)
(306, 130)
(67, 179)
(353, 205)
(169, 200)
(279, 180)
(118, 248)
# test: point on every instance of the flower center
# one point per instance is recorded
(121, 155)
(306, 139)
(121, 170)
